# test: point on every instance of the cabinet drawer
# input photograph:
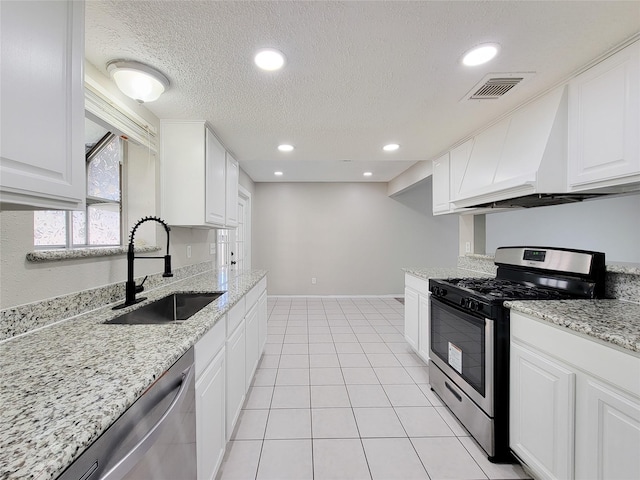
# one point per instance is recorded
(235, 315)
(418, 284)
(254, 294)
(209, 345)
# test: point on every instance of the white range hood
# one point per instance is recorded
(519, 161)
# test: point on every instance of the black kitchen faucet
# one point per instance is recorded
(130, 287)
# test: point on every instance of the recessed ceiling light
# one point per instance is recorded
(367, 174)
(480, 54)
(277, 174)
(285, 147)
(269, 59)
(391, 147)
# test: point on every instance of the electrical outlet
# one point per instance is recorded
(188, 251)
(313, 280)
(467, 247)
(212, 249)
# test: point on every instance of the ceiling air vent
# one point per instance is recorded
(496, 85)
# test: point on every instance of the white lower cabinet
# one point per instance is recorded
(210, 400)
(574, 404)
(235, 381)
(608, 440)
(541, 413)
(226, 358)
(263, 316)
(210, 412)
(252, 342)
(417, 314)
(411, 317)
(424, 326)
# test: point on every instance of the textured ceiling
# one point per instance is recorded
(358, 74)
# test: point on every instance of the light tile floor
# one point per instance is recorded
(339, 394)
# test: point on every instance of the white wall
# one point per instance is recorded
(351, 237)
(610, 225)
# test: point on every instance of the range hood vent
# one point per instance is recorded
(496, 85)
(540, 200)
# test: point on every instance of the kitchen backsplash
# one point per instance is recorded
(24, 318)
(478, 263)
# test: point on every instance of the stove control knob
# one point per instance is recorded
(443, 292)
(463, 302)
(473, 305)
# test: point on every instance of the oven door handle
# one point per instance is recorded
(133, 456)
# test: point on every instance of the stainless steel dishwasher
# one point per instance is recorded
(154, 439)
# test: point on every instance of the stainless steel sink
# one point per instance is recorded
(172, 308)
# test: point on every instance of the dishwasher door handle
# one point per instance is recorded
(133, 456)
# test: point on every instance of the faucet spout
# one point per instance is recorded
(130, 287)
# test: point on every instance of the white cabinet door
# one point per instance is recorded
(263, 316)
(42, 161)
(441, 183)
(604, 122)
(211, 419)
(541, 414)
(252, 342)
(216, 180)
(411, 317)
(232, 175)
(193, 165)
(424, 326)
(235, 377)
(607, 432)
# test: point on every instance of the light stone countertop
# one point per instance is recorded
(613, 321)
(63, 385)
(443, 272)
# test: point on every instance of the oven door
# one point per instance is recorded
(461, 346)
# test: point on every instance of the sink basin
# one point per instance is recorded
(176, 307)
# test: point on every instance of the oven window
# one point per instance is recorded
(459, 340)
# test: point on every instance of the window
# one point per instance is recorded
(100, 223)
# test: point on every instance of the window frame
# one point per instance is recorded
(90, 200)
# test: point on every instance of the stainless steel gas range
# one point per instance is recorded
(469, 342)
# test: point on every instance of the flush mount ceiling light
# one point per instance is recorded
(285, 147)
(480, 54)
(278, 174)
(137, 80)
(269, 59)
(367, 174)
(391, 147)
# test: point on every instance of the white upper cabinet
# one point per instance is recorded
(604, 123)
(232, 176)
(194, 175)
(441, 185)
(42, 105)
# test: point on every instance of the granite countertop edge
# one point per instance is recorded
(443, 272)
(58, 399)
(614, 322)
